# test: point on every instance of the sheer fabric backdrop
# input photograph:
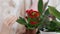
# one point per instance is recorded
(9, 8)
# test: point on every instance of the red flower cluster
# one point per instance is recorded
(33, 23)
(32, 14)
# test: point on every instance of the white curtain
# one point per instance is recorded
(7, 10)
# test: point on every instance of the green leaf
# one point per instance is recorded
(53, 26)
(21, 21)
(29, 26)
(40, 6)
(29, 19)
(45, 5)
(54, 12)
(47, 12)
(58, 23)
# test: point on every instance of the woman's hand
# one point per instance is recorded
(21, 29)
(10, 20)
(6, 26)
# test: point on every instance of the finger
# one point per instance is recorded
(12, 21)
(6, 21)
(17, 32)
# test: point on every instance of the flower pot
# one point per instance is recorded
(41, 32)
(30, 31)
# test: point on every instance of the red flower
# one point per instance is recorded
(33, 14)
(29, 11)
(33, 23)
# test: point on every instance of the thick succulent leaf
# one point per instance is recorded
(54, 12)
(40, 6)
(21, 21)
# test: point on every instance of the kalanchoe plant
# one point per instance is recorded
(32, 19)
(44, 18)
